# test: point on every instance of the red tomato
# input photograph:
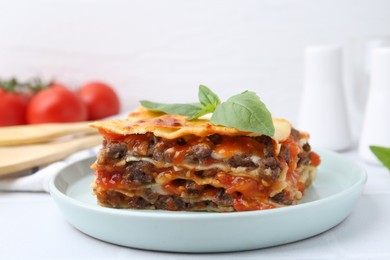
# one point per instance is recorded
(12, 108)
(56, 104)
(101, 100)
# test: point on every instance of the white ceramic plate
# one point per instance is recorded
(334, 193)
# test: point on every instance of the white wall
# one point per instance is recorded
(162, 50)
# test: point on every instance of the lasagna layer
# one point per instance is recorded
(149, 162)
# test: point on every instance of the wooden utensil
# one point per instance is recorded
(32, 134)
(18, 158)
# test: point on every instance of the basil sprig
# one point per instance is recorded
(383, 154)
(244, 111)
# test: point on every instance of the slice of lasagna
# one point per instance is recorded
(153, 160)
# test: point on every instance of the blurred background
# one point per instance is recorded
(163, 50)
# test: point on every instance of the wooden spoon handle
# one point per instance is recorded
(23, 157)
(17, 135)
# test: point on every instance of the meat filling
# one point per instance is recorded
(116, 199)
(136, 162)
(196, 151)
(139, 172)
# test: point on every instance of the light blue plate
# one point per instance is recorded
(333, 195)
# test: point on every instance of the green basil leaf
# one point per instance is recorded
(180, 109)
(204, 111)
(208, 98)
(245, 112)
(383, 154)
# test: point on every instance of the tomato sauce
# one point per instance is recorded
(243, 204)
(109, 180)
(231, 145)
(314, 158)
(111, 136)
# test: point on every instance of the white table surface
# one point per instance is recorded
(32, 227)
